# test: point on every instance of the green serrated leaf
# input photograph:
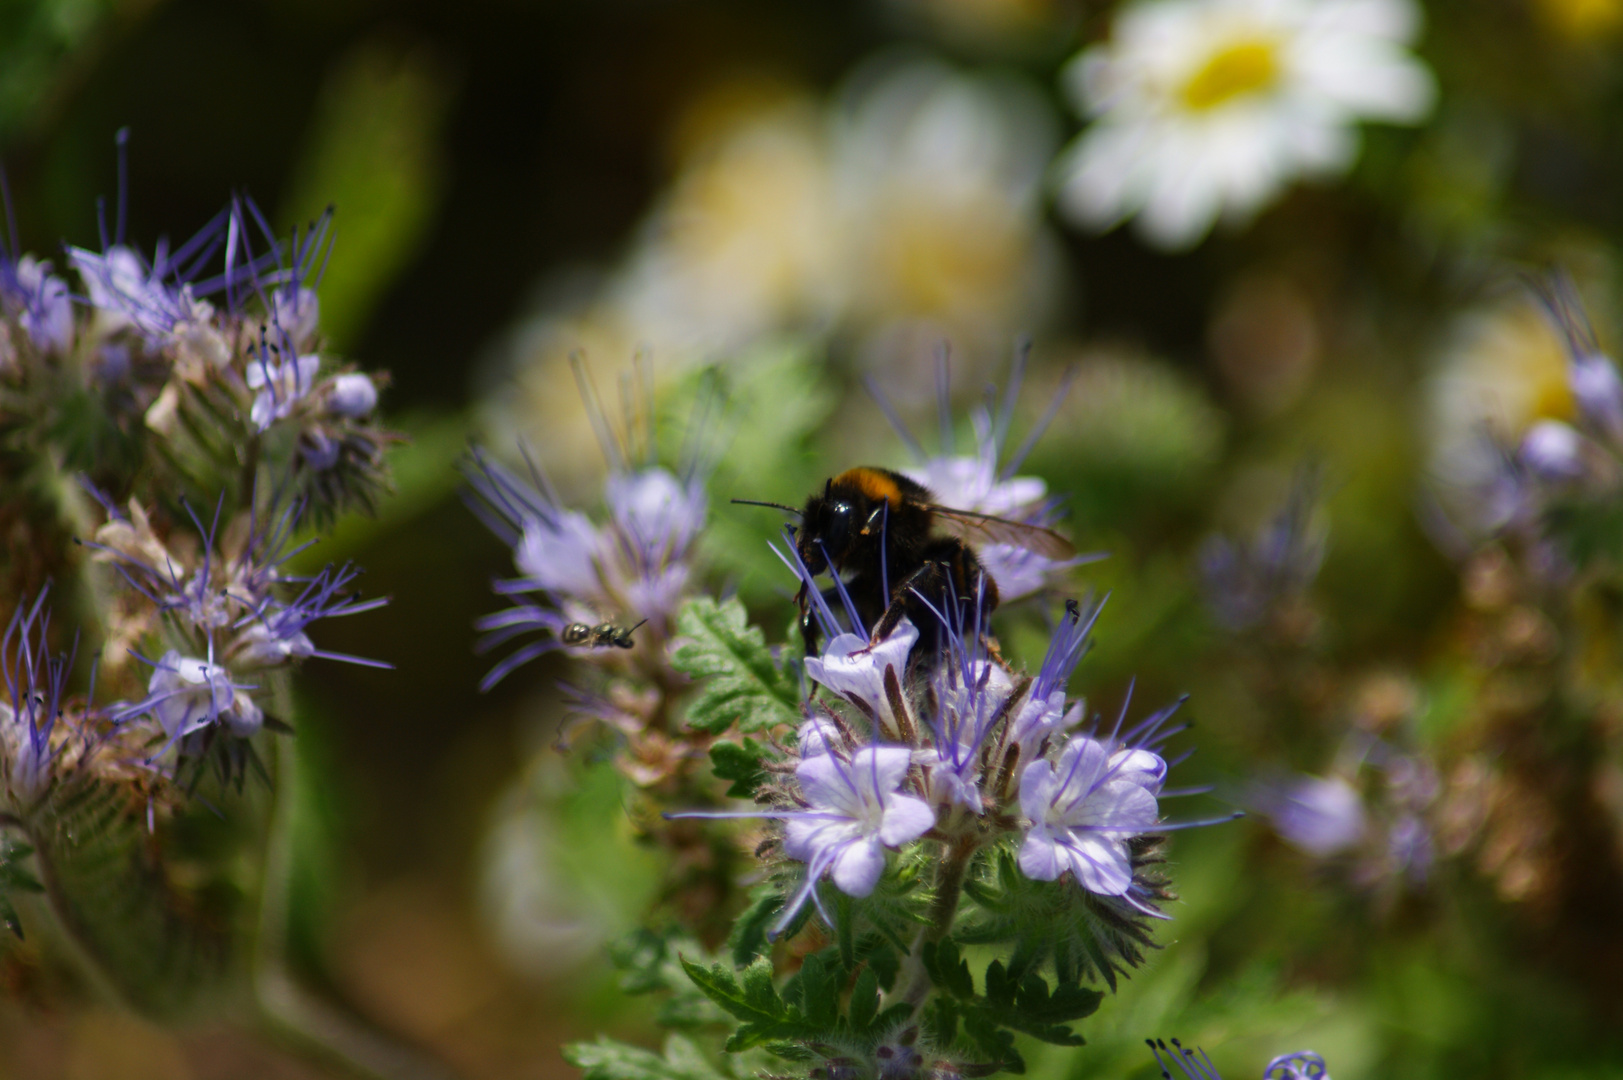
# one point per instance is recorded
(608, 1059)
(939, 1021)
(759, 992)
(719, 986)
(864, 1000)
(640, 957)
(999, 987)
(1066, 1002)
(947, 970)
(880, 957)
(740, 764)
(845, 932)
(739, 682)
(994, 1042)
(767, 1017)
(789, 1051)
(820, 989)
(748, 939)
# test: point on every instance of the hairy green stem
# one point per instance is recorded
(289, 1008)
(949, 887)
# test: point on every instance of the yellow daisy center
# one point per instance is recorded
(1245, 67)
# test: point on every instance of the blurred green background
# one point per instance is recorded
(505, 173)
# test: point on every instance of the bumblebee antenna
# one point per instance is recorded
(633, 629)
(773, 505)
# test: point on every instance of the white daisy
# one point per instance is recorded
(1210, 107)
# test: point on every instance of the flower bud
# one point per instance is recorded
(1599, 392)
(1553, 451)
(352, 395)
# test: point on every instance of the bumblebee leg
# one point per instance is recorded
(927, 581)
(808, 621)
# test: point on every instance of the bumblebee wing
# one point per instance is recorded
(976, 528)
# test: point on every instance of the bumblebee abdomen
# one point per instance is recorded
(876, 484)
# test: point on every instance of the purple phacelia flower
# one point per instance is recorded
(1320, 815)
(867, 674)
(1552, 451)
(294, 309)
(1302, 1065)
(984, 482)
(1195, 1065)
(352, 394)
(274, 634)
(1044, 711)
(817, 735)
(638, 563)
(186, 694)
(129, 293)
(1083, 810)
(39, 300)
(280, 384)
(241, 602)
(854, 811)
(966, 695)
(1192, 1064)
(35, 683)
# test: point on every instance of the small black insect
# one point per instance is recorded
(600, 636)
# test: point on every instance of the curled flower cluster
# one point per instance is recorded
(972, 754)
(35, 724)
(1261, 583)
(208, 352)
(633, 569)
(1557, 466)
(985, 482)
(1387, 833)
(1193, 1064)
(229, 613)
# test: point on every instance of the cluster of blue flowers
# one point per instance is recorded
(202, 379)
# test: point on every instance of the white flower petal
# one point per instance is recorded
(1100, 865)
(906, 818)
(858, 866)
(1039, 856)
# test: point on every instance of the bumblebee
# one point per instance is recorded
(599, 636)
(898, 553)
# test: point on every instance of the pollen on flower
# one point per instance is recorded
(1245, 67)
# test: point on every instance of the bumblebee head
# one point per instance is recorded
(828, 530)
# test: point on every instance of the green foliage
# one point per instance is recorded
(740, 683)
(1051, 923)
(1010, 1003)
(827, 1001)
(748, 939)
(608, 1059)
(766, 1016)
(650, 962)
(741, 765)
(164, 949)
(374, 153)
(1591, 532)
(14, 878)
(777, 396)
(38, 41)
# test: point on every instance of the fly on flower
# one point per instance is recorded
(577, 576)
